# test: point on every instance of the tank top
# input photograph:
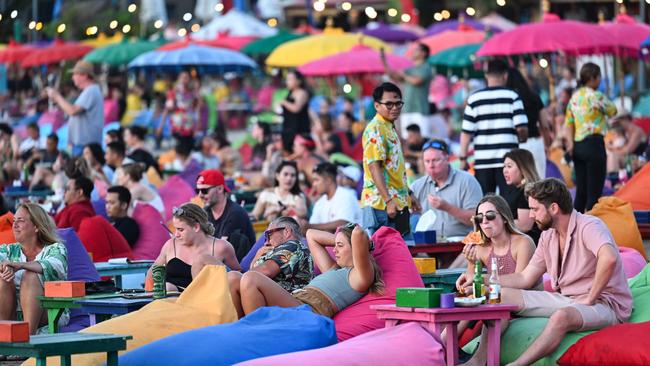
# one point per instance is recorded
(295, 122)
(506, 264)
(335, 285)
(178, 272)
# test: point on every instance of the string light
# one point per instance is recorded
(91, 31)
(501, 2)
(406, 18)
(126, 28)
(437, 17)
(60, 28)
(346, 6)
(39, 26)
(113, 24)
(187, 17)
(32, 25)
(182, 32)
(195, 27)
(272, 22)
(132, 8)
(14, 14)
(318, 6)
(392, 12)
(347, 88)
(218, 8)
(470, 11)
(370, 12)
(445, 14)
(158, 24)
(543, 63)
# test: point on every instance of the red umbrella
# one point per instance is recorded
(359, 60)
(550, 35)
(14, 52)
(56, 52)
(232, 43)
(628, 34)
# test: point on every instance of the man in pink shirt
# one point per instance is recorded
(582, 259)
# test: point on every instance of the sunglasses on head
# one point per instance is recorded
(489, 215)
(269, 232)
(435, 144)
(203, 190)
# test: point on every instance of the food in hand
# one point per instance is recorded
(474, 237)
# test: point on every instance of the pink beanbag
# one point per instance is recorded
(395, 260)
(407, 344)
(102, 240)
(152, 235)
(174, 192)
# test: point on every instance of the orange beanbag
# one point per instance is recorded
(636, 190)
(619, 217)
(103, 240)
(6, 231)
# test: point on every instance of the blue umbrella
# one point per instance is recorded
(207, 60)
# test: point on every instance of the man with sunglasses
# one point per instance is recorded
(230, 220)
(385, 196)
(452, 193)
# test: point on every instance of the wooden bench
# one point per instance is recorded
(66, 345)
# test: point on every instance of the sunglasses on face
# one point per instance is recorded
(269, 232)
(391, 105)
(203, 190)
(489, 215)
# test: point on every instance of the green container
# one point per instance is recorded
(418, 297)
(443, 278)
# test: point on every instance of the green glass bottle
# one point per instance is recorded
(478, 279)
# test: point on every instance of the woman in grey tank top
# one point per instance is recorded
(345, 278)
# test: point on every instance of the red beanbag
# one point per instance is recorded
(623, 344)
(102, 240)
(152, 234)
(6, 230)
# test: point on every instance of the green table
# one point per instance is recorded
(56, 305)
(66, 345)
(118, 269)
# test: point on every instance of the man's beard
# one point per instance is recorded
(545, 225)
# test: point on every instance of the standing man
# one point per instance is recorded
(87, 113)
(416, 81)
(495, 119)
(118, 199)
(385, 196)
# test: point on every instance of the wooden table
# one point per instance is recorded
(116, 270)
(437, 248)
(437, 319)
(66, 345)
(443, 278)
(103, 309)
(56, 305)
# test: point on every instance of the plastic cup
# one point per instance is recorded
(447, 301)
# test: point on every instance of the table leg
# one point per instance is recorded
(53, 316)
(65, 360)
(118, 281)
(41, 361)
(494, 342)
(111, 358)
(92, 318)
(452, 343)
(391, 323)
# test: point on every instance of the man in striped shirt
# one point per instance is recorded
(495, 120)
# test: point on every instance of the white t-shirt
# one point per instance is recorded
(344, 205)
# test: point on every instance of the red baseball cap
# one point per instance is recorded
(212, 177)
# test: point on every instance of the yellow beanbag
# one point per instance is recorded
(205, 302)
(619, 217)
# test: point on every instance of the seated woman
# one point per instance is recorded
(344, 280)
(129, 176)
(94, 157)
(196, 248)
(625, 143)
(519, 169)
(285, 199)
(38, 256)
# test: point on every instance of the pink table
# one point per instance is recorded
(437, 319)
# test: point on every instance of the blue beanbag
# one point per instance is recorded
(265, 332)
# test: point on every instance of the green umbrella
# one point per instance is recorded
(457, 61)
(265, 46)
(123, 52)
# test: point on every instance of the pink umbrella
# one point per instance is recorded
(359, 60)
(628, 34)
(548, 36)
(448, 39)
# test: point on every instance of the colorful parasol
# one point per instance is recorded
(628, 34)
(204, 58)
(456, 24)
(122, 53)
(229, 42)
(457, 61)
(360, 59)
(265, 46)
(449, 39)
(15, 52)
(57, 51)
(388, 33)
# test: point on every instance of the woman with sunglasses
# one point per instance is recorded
(519, 169)
(285, 199)
(192, 247)
(345, 279)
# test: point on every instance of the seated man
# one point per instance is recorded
(283, 258)
(452, 193)
(77, 203)
(580, 255)
(118, 199)
(413, 146)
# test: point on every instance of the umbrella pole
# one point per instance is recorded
(551, 81)
(605, 73)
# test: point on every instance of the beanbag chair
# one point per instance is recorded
(619, 217)
(266, 331)
(395, 260)
(206, 301)
(623, 344)
(635, 191)
(153, 177)
(100, 208)
(152, 234)
(6, 228)
(103, 240)
(174, 192)
(407, 344)
(556, 155)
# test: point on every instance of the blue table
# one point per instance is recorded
(119, 269)
(28, 193)
(103, 309)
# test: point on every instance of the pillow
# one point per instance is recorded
(622, 344)
(152, 234)
(266, 331)
(6, 228)
(174, 192)
(396, 261)
(618, 215)
(103, 240)
(407, 344)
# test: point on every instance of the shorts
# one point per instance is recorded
(318, 302)
(544, 304)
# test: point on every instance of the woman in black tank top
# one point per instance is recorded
(295, 109)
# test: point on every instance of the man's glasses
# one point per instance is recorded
(489, 215)
(436, 144)
(391, 105)
(203, 190)
(269, 232)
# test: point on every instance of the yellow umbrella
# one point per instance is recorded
(103, 40)
(311, 48)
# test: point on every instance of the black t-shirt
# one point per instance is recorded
(516, 199)
(234, 219)
(128, 228)
(533, 105)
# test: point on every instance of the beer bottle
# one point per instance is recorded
(495, 284)
(478, 279)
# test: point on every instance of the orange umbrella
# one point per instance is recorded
(442, 41)
(56, 52)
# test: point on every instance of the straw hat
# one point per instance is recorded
(84, 67)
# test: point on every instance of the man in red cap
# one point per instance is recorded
(230, 220)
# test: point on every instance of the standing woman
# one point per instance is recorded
(37, 256)
(295, 109)
(519, 169)
(586, 125)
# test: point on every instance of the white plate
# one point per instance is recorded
(468, 301)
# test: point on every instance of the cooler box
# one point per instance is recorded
(424, 237)
(443, 278)
(418, 297)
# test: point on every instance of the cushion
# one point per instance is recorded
(174, 192)
(395, 260)
(206, 301)
(635, 190)
(407, 344)
(619, 217)
(6, 229)
(623, 344)
(152, 234)
(266, 331)
(103, 240)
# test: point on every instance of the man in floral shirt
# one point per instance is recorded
(385, 197)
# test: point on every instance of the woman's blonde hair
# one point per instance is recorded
(502, 209)
(134, 171)
(192, 214)
(44, 223)
(378, 285)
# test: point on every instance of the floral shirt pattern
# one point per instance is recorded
(296, 267)
(588, 111)
(381, 143)
(53, 258)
